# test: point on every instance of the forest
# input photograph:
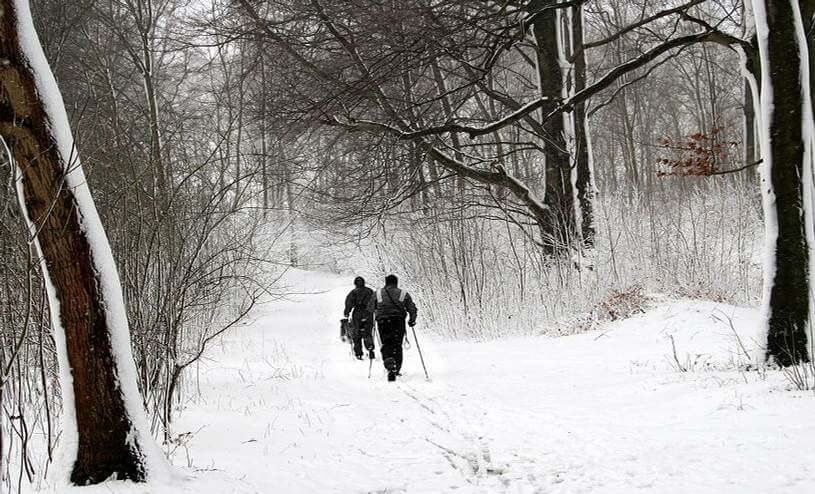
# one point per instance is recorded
(182, 177)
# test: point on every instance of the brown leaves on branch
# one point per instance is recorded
(697, 155)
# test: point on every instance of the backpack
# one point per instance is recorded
(399, 305)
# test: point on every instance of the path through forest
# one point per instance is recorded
(283, 408)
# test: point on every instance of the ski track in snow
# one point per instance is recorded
(283, 408)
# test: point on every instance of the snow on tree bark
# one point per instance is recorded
(808, 21)
(787, 141)
(105, 429)
(750, 148)
(751, 70)
(583, 160)
(559, 230)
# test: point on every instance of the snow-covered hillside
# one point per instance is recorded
(283, 408)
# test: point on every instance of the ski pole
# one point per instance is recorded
(420, 352)
(375, 338)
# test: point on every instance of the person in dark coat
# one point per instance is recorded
(391, 306)
(362, 321)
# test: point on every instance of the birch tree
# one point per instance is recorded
(105, 429)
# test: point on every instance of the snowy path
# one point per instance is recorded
(284, 409)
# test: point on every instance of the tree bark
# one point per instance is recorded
(584, 177)
(750, 148)
(110, 442)
(559, 229)
(808, 18)
(787, 146)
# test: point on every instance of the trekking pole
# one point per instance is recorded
(376, 339)
(420, 352)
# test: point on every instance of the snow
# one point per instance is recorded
(107, 273)
(284, 408)
(765, 109)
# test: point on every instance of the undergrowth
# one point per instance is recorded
(478, 278)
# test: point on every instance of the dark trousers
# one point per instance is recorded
(362, 332)
(392, 332)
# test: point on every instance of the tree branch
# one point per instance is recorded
(583, 95)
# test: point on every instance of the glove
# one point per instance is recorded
(411, 323)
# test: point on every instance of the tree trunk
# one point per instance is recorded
(750, 148)
(289, 177)
(808, 18)
(144, 15)
(787, 148)
(584, 168)
(264, 148)
(559, 229)
(106, 432)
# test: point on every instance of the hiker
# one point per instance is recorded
(391, 306)
(362, 322)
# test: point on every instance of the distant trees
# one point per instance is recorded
(104, 423)
(506, 84)
(498, 95)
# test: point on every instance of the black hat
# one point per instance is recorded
(391, 279)
(359, 281)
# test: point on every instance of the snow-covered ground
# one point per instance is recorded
(284, 409)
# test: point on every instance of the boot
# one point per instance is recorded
(391, 376)
(371, 354)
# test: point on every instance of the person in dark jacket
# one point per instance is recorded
(362, 321)
(391, 306)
